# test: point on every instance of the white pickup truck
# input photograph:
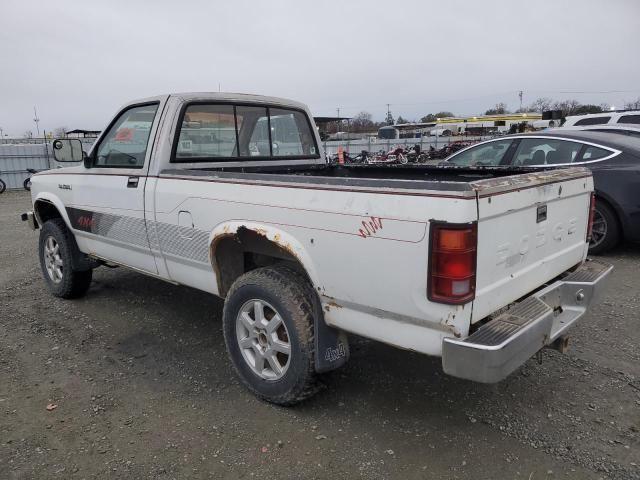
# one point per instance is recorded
(231, 194)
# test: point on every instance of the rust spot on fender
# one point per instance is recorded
(447, 323)
(237, 236)
(331, 303)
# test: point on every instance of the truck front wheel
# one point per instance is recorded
(268, 330)
(57, 249)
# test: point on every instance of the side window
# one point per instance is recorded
(633, 119)
(487, 154)
(290, 134)
(592, 121)
(594, 153)
(545, 151)
(207, 131)
(125, 144)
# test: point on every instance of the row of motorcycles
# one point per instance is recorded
(402, 155)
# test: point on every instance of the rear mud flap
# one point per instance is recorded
(331, 345)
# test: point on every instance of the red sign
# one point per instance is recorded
(124, 135)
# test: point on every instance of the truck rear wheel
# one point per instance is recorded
(57, 250)
(268, 329)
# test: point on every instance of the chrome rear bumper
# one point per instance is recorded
(499, 347)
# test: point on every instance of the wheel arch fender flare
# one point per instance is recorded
(51, 199)
(273, 234)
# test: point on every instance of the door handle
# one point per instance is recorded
(132, 182)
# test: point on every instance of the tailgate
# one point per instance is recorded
(531, 228)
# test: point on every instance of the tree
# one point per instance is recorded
(499, 109)
(28, 134)
(633, 105)
(363, 122)
(541, 104)
(401, 120)
(583, 109)
(568, 107)
(432, 117)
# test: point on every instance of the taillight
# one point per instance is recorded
(592, 211)
(452, 264)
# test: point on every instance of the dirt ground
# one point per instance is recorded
(142, 388)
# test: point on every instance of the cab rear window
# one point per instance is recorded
(211, 132)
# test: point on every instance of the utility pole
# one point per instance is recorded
(520, 95)
(36, 120)
(338, 120)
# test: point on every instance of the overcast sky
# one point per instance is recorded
(78, 61)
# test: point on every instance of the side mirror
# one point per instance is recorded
(67, 150)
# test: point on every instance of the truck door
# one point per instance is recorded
(107, 211)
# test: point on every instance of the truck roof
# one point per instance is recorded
(228, 97)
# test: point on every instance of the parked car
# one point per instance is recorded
(614, 159)
(231, 194)
(625, 117)
(629, 130)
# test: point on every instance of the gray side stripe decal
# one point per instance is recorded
(179, 241)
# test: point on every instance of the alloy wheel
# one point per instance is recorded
(52, 259)
(263, 339)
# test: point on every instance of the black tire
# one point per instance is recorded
(27, 184)
(73, 283)
(3, 186)
(291, 296)
(604, 217)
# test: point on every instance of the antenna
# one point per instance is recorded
(520, 95)
(36, 119)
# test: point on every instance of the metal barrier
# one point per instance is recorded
(17, 155)
(372, 144)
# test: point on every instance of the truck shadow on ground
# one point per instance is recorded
(177, 330)
(158, 338)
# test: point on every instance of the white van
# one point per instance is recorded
(605, 118)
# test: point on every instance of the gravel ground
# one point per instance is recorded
(142, 388)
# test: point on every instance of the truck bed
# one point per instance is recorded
(458, 180)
